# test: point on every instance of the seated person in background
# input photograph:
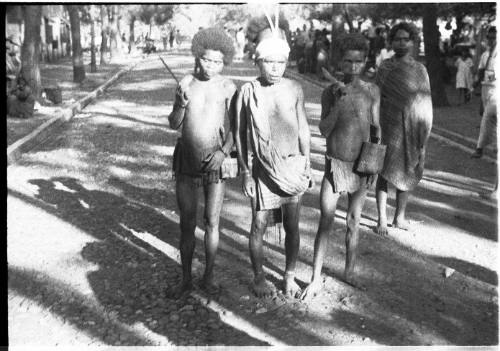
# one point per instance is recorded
(21, 102)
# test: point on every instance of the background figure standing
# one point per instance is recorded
(347, 114)
(240, 44)
(486, 66)
(272, 109)
(464, 77)
(405, 119)
(204, 109)
(171, 38)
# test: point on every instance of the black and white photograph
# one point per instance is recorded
(212, 175)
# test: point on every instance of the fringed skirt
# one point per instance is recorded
(343, 177)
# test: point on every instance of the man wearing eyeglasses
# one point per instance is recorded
(272, 109)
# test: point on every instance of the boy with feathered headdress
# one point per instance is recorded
(272, 109)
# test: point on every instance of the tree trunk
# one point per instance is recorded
(78, 65)
(93, 65)
(337, 29)
(115, 48)
(131, 39)
(104, 34)
(433, 56)
(348, 18)
(30, 51)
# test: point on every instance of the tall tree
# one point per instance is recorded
(104, 34)
(78, 65)
(89, 16)
(30, 51)
(114, 34)
(93, 63)
(435, 66)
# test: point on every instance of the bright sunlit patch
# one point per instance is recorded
(44, 239)
(437, 205)
(68, 158)
(225, 315)
(153, 84)
(119, 171)
(61, 186)
(313, 110)
(84, 204)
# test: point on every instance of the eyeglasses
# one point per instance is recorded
(215, 62)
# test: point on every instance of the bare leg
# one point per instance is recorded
(356, 202)
(328, 205)
(187, 200)
(214, 196)
(260, 286)
(291, 215)
(381, 190)
(401, 202)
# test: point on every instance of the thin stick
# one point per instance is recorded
(168, 69)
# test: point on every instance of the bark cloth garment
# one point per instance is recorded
(279, 179)
(405, 119)
(342, 175)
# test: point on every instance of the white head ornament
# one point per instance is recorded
(273, 45)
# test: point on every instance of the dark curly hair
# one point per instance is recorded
(352, 41)
(213, 39)
(258, 24)
(407, 27)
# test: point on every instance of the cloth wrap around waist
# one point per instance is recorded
(281, 170)
(405, 119)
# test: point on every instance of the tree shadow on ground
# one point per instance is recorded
(404, 288)
(133, 275)
(68, 303)
(469, 269)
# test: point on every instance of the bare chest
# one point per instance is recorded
(280, 107)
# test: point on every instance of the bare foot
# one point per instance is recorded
(311, 290)
(180, 289)
(381, 229)
(350, 280)
(263, 288)
(208, 285)
(290, 287)
(401, 224)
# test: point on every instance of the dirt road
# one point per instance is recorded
(93, 232)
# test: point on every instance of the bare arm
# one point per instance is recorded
(240, 138)
(375, 110)
(240, 133)
(178, 113)
(328, 115)
(231, 113)
(304, 132)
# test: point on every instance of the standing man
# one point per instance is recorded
(488, 99)
(204, 105)
(347, 112)
(406, 121)
(272, 109)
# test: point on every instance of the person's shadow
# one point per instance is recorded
(133, 276)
